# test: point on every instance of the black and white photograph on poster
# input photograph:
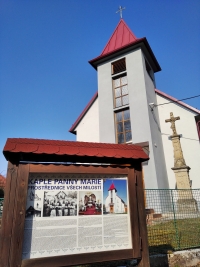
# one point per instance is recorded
(90, 203)
(34, 207)
(60, 203)
(115, 196)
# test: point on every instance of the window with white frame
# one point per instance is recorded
(120, 87)
(121, 102)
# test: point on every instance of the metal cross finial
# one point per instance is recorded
(120, 10)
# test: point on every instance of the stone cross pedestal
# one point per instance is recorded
(186, 202)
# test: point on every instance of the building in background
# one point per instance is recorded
(129, 109)
(113, 203)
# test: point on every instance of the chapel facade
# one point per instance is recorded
(127, 108)
(113, 203)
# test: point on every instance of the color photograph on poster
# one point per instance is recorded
(73, 214)
(90, 203)
(62, 203)
(115, 196)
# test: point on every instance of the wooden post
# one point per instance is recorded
(6, 227)
(12, 230)
(144, 261)
(133, 212)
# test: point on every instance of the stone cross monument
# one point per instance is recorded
(186, 202)
(179, 160)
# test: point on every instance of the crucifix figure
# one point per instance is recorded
(120, 10)
(172, 120)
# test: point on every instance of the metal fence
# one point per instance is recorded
(173, 219)
(1, 206)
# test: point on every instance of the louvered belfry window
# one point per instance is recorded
(118, 66)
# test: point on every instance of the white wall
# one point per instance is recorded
(88, 128)
(105, 96)
(156, 140)
(144, 128)
(140, 124)
(186, 126)
(145, 124)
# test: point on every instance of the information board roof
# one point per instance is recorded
(42, 150)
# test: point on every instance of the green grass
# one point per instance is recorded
(167, 237)
(174, 235)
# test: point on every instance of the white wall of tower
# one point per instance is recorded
(141, 92)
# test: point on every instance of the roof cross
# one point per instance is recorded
(172, 120)
(120, 10)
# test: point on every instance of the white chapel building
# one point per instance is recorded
(127, 108)
(113, 203)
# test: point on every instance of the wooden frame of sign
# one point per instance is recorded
(12, 231)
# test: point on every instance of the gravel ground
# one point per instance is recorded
(187, 258)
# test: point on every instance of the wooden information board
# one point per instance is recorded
(69, 214)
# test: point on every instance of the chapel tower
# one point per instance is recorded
(126, 87)
(112, 196)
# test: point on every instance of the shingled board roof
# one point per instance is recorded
(173, 99)
(42, 150)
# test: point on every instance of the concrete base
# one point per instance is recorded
(187, 205)
(186, 258)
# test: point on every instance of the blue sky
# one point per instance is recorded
(45, 46)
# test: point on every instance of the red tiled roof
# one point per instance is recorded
(112, 187)
(73, 127)
(41, 149)
(176, 101)
(2, 181)
(122, 36)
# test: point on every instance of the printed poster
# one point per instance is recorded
(73, 214)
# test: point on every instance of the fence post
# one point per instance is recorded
(175, 222)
